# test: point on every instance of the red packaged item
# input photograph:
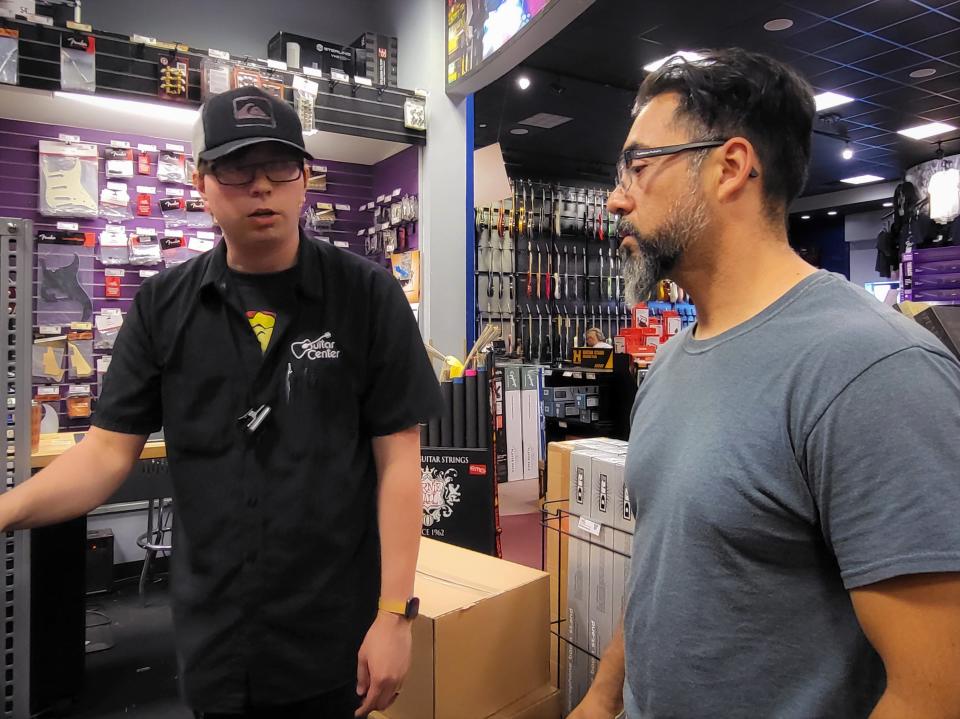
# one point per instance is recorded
(112, 279)
(143, 205)
(144, 163)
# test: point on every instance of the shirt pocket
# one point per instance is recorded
(322, 407)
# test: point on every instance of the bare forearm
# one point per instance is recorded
(78, 481)
(920, 703)
(400, 516)
(607, 687)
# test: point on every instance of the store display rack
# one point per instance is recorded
(548, 269)
(129, 67)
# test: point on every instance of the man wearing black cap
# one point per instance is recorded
(289, 377)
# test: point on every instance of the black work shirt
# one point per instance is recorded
(275, 570)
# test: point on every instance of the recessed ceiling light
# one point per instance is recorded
(685, 54)
(482, 125)
(888, 204)
(826, 100)
(832, 213)
(523, 82)
(921, 132)
(861, 179)
(782, 23)
(519, 131)
(847, 153)
(804, 217)
(923, 72)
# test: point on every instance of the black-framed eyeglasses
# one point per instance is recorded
(626, 168)
(275, 171)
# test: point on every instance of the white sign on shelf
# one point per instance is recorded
(173, 233)
(147, 148)
(206, 235)
(589, 526)
(341, 243)
(365, 81)
(175, 148)
(276, 64)
(305, 85)
(312, 72)
(144, 274)
(68, 226)
(199, 245)
(117, 186)
(146, 231)
(343, 208)
(339, 76)
(219, 54)
(146, 190)
(174, 192)
(113, 272)
(122, 144)
(69, 138)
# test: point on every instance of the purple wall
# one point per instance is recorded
(347, 184)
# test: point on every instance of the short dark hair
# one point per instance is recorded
(736, 93)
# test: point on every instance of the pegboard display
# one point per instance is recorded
(61, 265)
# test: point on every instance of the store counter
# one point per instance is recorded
(53, 445)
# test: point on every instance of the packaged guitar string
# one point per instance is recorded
(113, 246)
(197, 216)
(108, 323)
(118, 162)
(175, 250)
(174, 211)
(115, 202)
(68, 179)
(9, 55)
(145, 249)
(171, 168)
(78, 63)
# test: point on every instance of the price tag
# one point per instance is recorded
(147, 148)
(146, 190)
(40, 19)
(144, 274)
(324, 239)
(219, 54)
(396, 193)
(343, 208)
(68, 226)
(198, 245)
(194, 194)
(385, 226)
(339, 76)
(69, 138)
(143, 39)
(175, 148)
(174, 192)
(117, 186)
(173, 233)
(591, 375)
(79, 26)
(50, 329)
(589, 526)
(48, 391)
(312, 72)
(113, 240)
(146, 232)
(276, 64)
(305, 85)
(206, 235)
(372, 231)
(115, 228)
(365, 81)
(361, 233)
(103, 364)
(78, 390)
(123, 144)
(81, 326)
(380, 199)
(340, 243)
(113, 272)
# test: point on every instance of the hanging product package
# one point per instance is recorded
(197, 216)
(171, 168)
(108, 324)
(115, 202)
(78, 63)
(174, 250)
(9, 55)
(79, 401)
(215, 77)
(118, 162)
(80, 355)
(304, 100)
(68, 179)
(113, 246)
(48, 354)
(145, 249)
(174, 211)
(63, 297)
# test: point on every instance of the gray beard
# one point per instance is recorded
(659, 251)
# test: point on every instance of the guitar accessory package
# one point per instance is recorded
(174, 211)
(304, 100)
(118, 162)
(113, 246)
(79, 401)
(9, 55)
(78, 63)
(68, 179)
(216, 77)
(172, 168)
(174, 250)
(115, 202)
(197, 217)
(80, 355)
(174, 71)
(145, 249)
(108, 323)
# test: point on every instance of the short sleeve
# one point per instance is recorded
(129, 400)
(883, 463)
(401, 389)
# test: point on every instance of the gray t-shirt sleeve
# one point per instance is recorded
(883, 464)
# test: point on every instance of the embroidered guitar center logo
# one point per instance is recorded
(324, 347)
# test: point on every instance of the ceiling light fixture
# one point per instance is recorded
(847, 153)
(888, 204)
(923, 72)
(922, 132)
(685, 54)
(804, 217)
(133, 107)
(826, 100)
(519, 131)
(523, 82)
(861, 179)
(777, 25)
(832, 213)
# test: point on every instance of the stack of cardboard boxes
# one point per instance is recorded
(589, 560)
(523, 420)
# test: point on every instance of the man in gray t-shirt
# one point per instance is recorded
(794, 459)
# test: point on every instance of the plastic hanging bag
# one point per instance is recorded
(174, 211)
(304, 101)
(145, 250)
(68, 179)
(172, 168)
(65, 279)
(113, 246)
(118, 162)
(80, 355)
(48, 354)
(197, 217)
(174, 250)
(78, 63)
(108, 324)
(115, 203)
(9, 55)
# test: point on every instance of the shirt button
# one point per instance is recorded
(223, 286)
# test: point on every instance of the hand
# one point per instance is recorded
(593, 707)
(383, 662)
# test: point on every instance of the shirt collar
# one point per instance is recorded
(308, 280)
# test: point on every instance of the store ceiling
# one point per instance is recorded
(865, 50)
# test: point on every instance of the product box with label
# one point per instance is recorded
(513, 419)
(480, 643)
(376, 58)
(606, 476)
(532, 421)
(601, 610)
(457, 487)
(581, 478)
(622, 545)
(585, 401)
(302, 51)
(558, 394)
(576, 680)
(623, 518)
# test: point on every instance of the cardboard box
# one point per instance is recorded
(558, 394)
(532, 421)
(376, 58)
(481, 640)
(578, 612)
(570, 410)
(581, 468)
(541, 704)
(318, 54)
(622, 545)
(601, 620)
(587, 401)
(513, 419)
(606, 476)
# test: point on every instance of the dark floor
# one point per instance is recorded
(136, 676)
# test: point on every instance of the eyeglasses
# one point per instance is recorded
(626, 170)
(276, 171)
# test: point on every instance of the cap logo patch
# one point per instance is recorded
(253, 111)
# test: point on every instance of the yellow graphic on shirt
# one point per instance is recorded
(262, 323)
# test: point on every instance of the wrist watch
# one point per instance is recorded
(409, 609)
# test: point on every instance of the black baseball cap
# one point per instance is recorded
(243, 117)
